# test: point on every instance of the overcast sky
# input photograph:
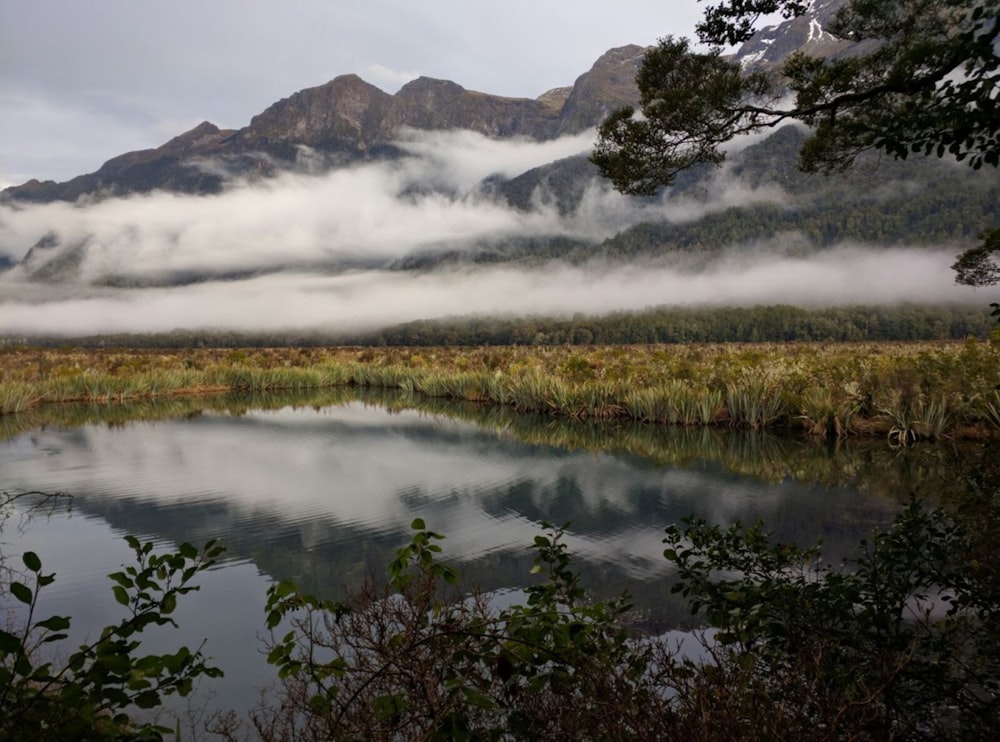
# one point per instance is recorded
(83, 81)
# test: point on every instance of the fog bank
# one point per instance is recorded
(366, 300)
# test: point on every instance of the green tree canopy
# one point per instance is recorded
(913, 76)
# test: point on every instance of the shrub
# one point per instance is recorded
(93, 691)
(899, 643)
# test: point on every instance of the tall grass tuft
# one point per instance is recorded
(916, 418)
(933, 418)
(825, 411)
(991, 409)
(754, 401)
(16, 397)
(710, 406)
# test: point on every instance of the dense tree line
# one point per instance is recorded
(946, 215)
(778, 323)
(775, 323)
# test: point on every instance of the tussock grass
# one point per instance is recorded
(900, 391)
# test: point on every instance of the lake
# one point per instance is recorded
(325, 492)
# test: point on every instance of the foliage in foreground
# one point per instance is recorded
(899, 643)
(95, 691)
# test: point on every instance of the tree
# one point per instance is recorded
(914, 76)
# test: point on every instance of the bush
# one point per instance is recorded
(94, 692)
(418, 660)
(899, 643)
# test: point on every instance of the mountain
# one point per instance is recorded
(810, 33)
(557, 210)
(348, 119)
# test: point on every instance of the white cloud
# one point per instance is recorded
(373, 211)
(372, 299)
(310, 226)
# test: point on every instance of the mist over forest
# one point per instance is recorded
(466, 225)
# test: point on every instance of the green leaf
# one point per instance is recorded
(120, 595)
(169, 602)
(21, 591)
(389, 706)
(147, 699)
(31, 561)
(319, 704)
(187, 551)
(478, 699)
(122, 579)
(9, 644)
(54, 623)
(418, 524)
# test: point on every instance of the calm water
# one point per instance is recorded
(325, 495)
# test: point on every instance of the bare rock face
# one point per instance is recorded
(553, 100)
(343, 114)
(609, 84)
(348, 119)
(172, 166)
(426, 103)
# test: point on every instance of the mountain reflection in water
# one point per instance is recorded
(326, 494)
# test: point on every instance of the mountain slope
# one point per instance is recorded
(348, 119)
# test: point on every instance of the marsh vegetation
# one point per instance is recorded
(901, 391)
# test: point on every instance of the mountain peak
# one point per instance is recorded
(609, 84)
(808, 33)
(430, 92)
(204, 133)
(336, 111)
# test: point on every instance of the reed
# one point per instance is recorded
(932, 418)
(644, 405)
(913, 419)
(16, 397)
(827, 389)
(991, 409)
(710, 406)
(535, 392)
(754, 401)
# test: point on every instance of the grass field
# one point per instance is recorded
(903, 391)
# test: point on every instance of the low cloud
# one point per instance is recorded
(371, 212)
(375, 211)
(368, 300)
(289, 238)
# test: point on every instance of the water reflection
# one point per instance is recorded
(325, 494)
(329, 479)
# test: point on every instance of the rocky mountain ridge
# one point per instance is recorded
(811, 33)
(348, 119)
